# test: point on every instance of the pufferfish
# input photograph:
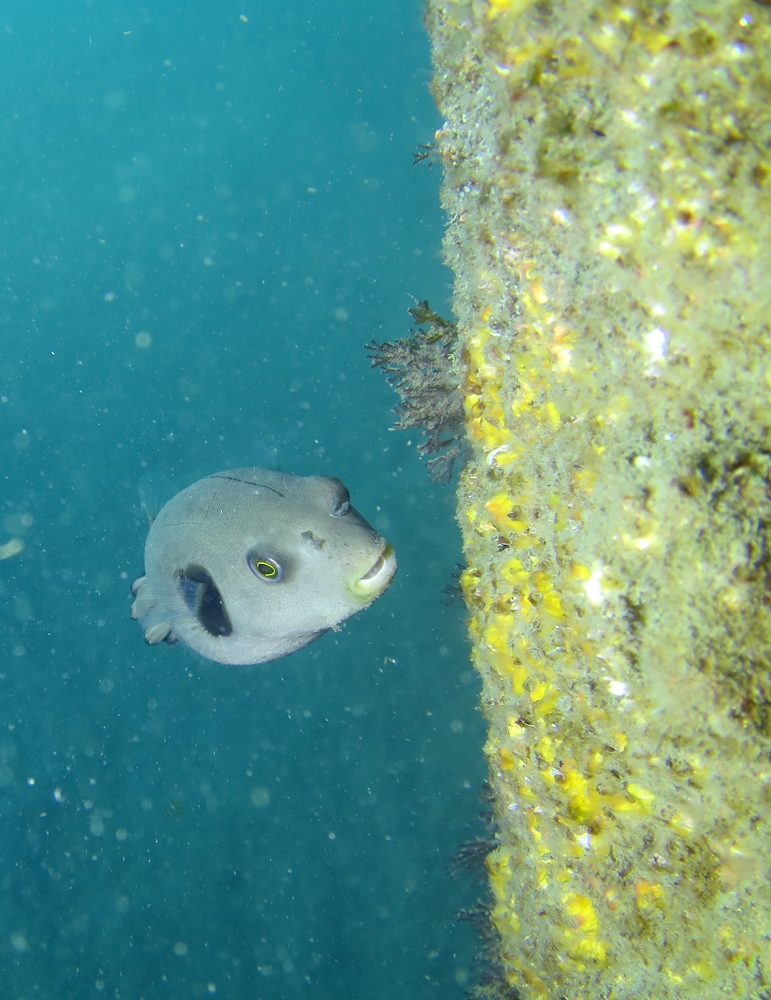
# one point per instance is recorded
(249, 565)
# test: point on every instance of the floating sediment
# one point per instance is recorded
(607, 177)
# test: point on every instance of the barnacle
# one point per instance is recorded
(425, 371)
(470, 857)
(491, 980)
(428, 152)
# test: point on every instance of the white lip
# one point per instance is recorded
(378, 576)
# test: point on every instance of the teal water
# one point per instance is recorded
(205, 212)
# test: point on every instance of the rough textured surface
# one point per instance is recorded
(608, 182)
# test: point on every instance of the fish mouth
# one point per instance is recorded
(378, 576)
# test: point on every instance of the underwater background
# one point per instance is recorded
(206, 211)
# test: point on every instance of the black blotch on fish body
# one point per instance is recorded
(202, 597)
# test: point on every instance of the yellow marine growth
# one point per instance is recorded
(608, 184)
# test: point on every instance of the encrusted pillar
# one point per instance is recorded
(608, 186)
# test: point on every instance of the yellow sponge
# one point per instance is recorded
(608, 183)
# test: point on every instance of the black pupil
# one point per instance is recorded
(266, 569)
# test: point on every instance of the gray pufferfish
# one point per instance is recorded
(248, 565)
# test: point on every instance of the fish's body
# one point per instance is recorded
(249, 565)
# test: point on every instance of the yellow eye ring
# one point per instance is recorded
(265, 568)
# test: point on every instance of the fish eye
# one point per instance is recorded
(341, 508)
(265, 568)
